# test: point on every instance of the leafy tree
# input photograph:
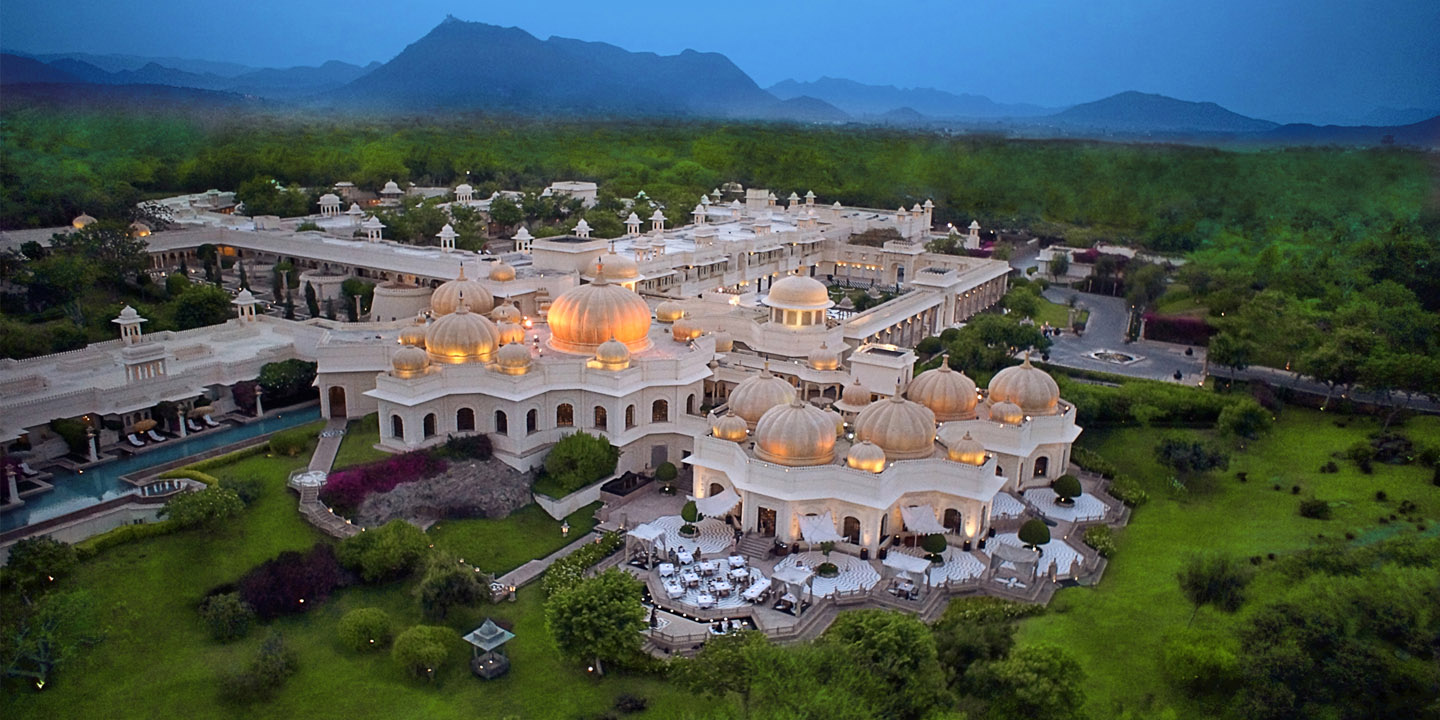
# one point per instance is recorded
(1037, 682)
(117, 254)
(1059, 265)
(504, 213)
(365, 629)
(176, 284)
(265, 674)
(1338, 361)
(352, 288)
(973, 630)
(202, 508)
(1189, 457)
(988, 342)
(264, 196)
(898, 650)
(1200, 663)
(1244, 418)
(1024, 301)
(36, 638)
(1034, 532)
(227, 616)
(580, 459)
(312, 303)
(384, 553)
(725, 664)
(58, 280)
(202, 305)
(1212, 579)
(599, 619)
(287, 378)
(422, 649)
(35, 562)
(1067, 486)
(448, 584)
(1232, 349)
(1144, 284)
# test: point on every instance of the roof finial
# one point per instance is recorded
(462, 271)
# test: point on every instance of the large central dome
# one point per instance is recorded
(584, 317)
(799, 293)
(950, 395)
(1026, 386)
(796, 434)
(904, 429)
(462, 337)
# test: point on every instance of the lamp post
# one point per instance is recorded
(564, 528)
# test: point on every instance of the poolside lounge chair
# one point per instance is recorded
(210, 421)
(154, 436)
(134, 441)
(194, 426)
(28, 471)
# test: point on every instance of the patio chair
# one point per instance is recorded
(154, 436)
(210, 421)
(27, 470)
(134, 441)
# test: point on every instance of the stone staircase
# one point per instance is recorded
(752, 545)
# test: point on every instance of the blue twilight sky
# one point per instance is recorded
(1280, 59)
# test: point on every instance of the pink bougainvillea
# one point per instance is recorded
(346, 489)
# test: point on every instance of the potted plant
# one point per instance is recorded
(1034, 533)
(934, 545)
(690, 515)
(1067, 488)
(665, 475)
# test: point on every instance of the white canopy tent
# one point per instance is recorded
(906, 564)
(797, 581)
(646, 542)
(819, 528)
(718, 504)
(921, 519)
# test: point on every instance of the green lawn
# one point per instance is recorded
(1054, 313)
(1116, 629)
(358, 445)
(498, 547)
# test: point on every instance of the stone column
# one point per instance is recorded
(92, 443)
(14, 486)
(259, 406)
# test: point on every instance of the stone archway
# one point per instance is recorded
(337, 402)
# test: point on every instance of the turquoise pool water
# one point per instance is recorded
(81, 490)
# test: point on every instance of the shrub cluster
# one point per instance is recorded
(190, 473)
(578, 460)
(1315, 509)
(1102, 538)
(365, 629)
(92, 546)
(291, 443)
(448, 584)
(567, 571)
(1178, 329)
(422, 649)
(227, 616)
(465, 447)
(385, 553)
(266, 673)
(347, 489)
(291, 582)
(1122, 487)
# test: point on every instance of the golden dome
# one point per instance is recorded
(758, 393)
(730, 427)
(618, 268)
(839, 421)
(447, 297)
(513, 359)
(854, 397)
(685, 330)
(409, 361)
(797, 292)
(510, 333)
(81, 221)
(950, 395)
(866, 456)
(823, 358)
(1007, 413)
(413, 335)
(502, 272)
(506, 312)
(724, 342)
(666, 312)
(461, 337)
(587, 315)
(968, 450)
(1027, 386)
(612, 355)
(797, 434)
(904, 429)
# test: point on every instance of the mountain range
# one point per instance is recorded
(469, 66)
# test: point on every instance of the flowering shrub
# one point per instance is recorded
(291, 582)
(347, 489)
(567, 571)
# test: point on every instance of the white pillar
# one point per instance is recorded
(259, 406)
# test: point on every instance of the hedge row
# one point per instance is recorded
(92, 546)
(1122, 487)
(567, 572)
(190, 473)
(228, 458)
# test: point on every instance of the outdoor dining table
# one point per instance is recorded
(739, 573)
(667, 569)
(674, 590)
(707, 567)
(754, 592)
(690, 578)
(706, 600)
(685, 556)
(737, 561)
(722, 588)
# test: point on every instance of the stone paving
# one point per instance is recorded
(1057, 550)
(855, 574)
(958, 566)
(715, 536)
(1007, 506)
(1105, 330)
(1087, 507)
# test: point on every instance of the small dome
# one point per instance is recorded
(506, 312)
(799, 293)
(513, 359)
(447, 297)
(685, 330)
(905, 429)
(587, 315)
(866, 456)
(81, 221)
(329, 199)
(510, 333)
(855, 397)
(666, 312)
(1007, 413)
(950, 395)
(724, 342)
(797, 434)
(968, 450)
(823, 358)
(409, 361)
(730, 427)
(502, 272)
(413, 335)
(129, 314)
(390, 187)
(839, 421)
(463, 189)
(758, 393)
(1027, 386)
(462, 337)
(618, 268)
(612, 355)
(139, 229)
(244, 297)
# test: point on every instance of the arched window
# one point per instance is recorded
(502, 423)
(397, 427)
(629, 416)
(428, 425)
(1042, 465)
(716, 489)
(601, 420)
(532, 421)
(998, 471)
(465, 420)
(690, 404)
(564, 415)
(851, 532)
(660, 411)
(952, 520)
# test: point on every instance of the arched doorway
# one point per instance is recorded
(660, 411)
(337, 402)
(532, 421)
(465, 420)
(502, 422)
(564, 415)
(397, 427)
(716, 489)
(952, 520)
(1042, 466)
(427, 426)
(851, 526)
(601, 418)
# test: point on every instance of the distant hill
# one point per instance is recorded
(860, 99)
(1388, 116)
(117, 63)
(802, 109)
(1144, 112)
(1425, 133)
(15, 69)
(465, 65)
(130, 98)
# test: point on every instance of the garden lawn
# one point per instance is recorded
(1054, 313)
(358, 445)
(158, 662)
(499, 546)
(1116, 629)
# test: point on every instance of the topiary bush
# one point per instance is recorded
(448, 584)
(365, 629)
(934, 543)
(226, 616)
(666, 472)
(1034, 532)
(385, 553)
(422, 650)
(1067, 486)
(690, 513)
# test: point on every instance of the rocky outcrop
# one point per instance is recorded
(471, 488)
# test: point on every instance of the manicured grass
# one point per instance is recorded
(1054, 313)
(358, 445)
(1116, 629)
(1178, 300)
(499, 546)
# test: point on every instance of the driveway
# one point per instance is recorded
(1105, 331)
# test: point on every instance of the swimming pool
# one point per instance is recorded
(81, 490)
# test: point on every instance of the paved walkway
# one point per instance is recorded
(535, 568)
(328, 446)
(314, 511)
